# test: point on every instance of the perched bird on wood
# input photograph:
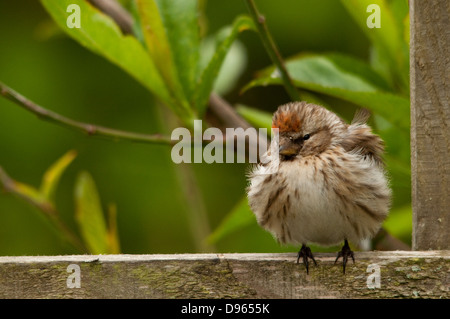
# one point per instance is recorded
(330, 185)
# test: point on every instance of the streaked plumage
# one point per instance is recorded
(330, 185)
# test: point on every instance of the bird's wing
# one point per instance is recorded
(359, 138)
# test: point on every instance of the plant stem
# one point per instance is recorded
(90, 129)
(272, 50)
(191, 194)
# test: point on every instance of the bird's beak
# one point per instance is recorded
(288, 150)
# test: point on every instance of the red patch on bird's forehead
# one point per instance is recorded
(286, 122)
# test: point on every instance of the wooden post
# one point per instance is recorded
(430, 123)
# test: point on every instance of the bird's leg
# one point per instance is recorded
(305, 253)
(345, 253)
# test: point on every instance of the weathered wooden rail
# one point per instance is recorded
(394, 274)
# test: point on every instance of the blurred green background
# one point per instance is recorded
(56, 72)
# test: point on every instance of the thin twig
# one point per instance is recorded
(221, 106)
(226, 113)
(272, 50)
(90, 129)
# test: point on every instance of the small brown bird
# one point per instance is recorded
(330, 185)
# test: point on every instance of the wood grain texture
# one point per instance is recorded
(430, 123)
(402, 275)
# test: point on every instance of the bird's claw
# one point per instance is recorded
(305, 253)
(345, 253)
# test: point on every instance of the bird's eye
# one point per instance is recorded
(291, 138)
(306, 137)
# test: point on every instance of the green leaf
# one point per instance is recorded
(345, 78)
(101, 35)
(238, 218)
(53, 174)
(225, 39)
(333, 70)
(232, 68)
(388, 40)
(171, 32)
(183, 31)
(31, 195)
(164, 39)
(89, 215)
(25, 192)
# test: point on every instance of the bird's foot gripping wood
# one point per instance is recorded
(345, 253)
(305, 253)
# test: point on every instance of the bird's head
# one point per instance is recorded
(305, 129)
